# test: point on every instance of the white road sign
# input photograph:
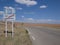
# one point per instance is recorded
(10, 17)
(9, 14)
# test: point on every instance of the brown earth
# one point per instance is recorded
(44, 25)
(17, 24)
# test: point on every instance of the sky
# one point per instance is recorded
(34, 11)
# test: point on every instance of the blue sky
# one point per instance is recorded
(34, 11)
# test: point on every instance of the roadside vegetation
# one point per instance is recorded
(21, 36)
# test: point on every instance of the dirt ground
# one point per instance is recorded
(44, 25)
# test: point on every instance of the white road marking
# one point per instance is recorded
(29, 33)
(33, 37)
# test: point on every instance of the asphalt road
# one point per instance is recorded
(44, 36)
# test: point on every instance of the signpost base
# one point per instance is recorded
(6, 29)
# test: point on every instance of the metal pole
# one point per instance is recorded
(12, 29)
(6, 29)
(6, 24)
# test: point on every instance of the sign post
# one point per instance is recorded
(9, 16)
(12, 29)
(6, 29)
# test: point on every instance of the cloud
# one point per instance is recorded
(8, 7)
(19, 8)
(22, 16)
(47, 21)
(29, 12)
(31, 20)
(27, 2)
(1, 12)
(43, 6)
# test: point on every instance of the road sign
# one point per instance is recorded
(9, 14)
(10, 17)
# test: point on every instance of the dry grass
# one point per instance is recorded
(21, 37)
(44, 25)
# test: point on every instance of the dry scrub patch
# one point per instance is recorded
(21, 37)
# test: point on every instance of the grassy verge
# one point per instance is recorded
(21, 37)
